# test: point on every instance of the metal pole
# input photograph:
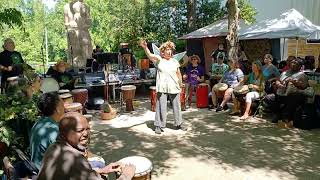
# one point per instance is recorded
(297, 42)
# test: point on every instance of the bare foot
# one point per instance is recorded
(244, 117)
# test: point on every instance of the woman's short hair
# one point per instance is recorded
(196, 57)
(48, 103)
(235, 61)
(269, 56)
(166, 45)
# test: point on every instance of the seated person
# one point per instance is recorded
(232, 78)
(218, 69)
(270, 73)
(97, 50)
(244, 63)
(10, 62)
(255, 81)
(291, 79)
(64, 78)
(74, 132)
(194, 75)
(288, 61)
(46, 129)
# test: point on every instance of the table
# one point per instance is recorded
(134, 82)
(113, 84)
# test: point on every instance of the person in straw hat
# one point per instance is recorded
(63, 77)
(194, 75)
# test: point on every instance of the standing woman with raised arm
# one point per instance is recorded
(168, 84)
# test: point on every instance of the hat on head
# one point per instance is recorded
(61, 62)
(195, 56)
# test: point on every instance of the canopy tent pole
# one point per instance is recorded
(283, 44)
(297, 42)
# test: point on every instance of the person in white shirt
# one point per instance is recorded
(168, 84)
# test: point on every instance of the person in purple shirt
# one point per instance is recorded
(194, 75)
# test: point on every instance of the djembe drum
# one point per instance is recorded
(183, 97)
(80, 96)
(142, 164)
(73, 107)
(63, 91)
(66, 97)
(128, 93)
(153, 98)
(202, 92)
(11, 81)
(240, 93)
(144, 64)
(220, 89)
(49, 85)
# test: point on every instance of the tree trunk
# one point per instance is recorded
(191, 15)
(233, 26)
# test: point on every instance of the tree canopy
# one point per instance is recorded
(113, 22)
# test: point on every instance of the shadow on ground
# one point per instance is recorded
(234, 147)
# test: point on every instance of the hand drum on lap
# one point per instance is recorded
(220, 89)
(241, 91)
(142, 164)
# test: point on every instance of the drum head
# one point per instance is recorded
(152, 87)
(49, 85)
(65, 95)
(142, 164)
(220, 87)
(203, 84)
(73, 106)
(79, 90)
(62, 91)
(14, 78)
(128, 87)
(241, 89)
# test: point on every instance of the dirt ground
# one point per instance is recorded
(216, 146)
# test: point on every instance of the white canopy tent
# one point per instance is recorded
(216, 29)
(290, 24)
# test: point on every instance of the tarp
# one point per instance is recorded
(216, 29)
(290, 24)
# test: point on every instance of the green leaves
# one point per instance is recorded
(15, 108)
(247, 12)
(10, 17)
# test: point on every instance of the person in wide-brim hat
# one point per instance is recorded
(61, 66)
(194, 57)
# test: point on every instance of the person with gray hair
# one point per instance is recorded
(9, 62)
(66, 159)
